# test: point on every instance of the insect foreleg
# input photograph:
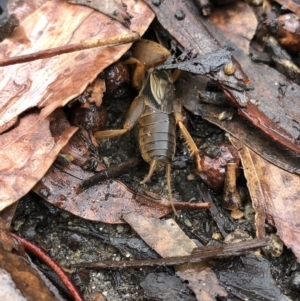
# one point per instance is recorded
(132, 118)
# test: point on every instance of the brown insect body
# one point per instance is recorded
(156, 135)
(157, 125)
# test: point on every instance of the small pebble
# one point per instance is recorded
(295, 281)
(179, 15)
(217, 236)
(156, 2)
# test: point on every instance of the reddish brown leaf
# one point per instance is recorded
(17, 277)
(106, 202)
(238, 21)
(275, 195)
(51, 83)
(26, 154)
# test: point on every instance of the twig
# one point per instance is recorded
(110, 172)
(198, 254)
(43, 54)
(42, 255)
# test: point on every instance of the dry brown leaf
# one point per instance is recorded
(275, 193)
(202, 281)
(26, 154)
(168, 240)
(51, 83)
(106, 202)
(165, 237)
(238, 21)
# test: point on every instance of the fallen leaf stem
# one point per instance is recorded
(93, 43)
(42, 255)
(198, 254)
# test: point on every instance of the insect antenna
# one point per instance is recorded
(150, 173)
(168, 176)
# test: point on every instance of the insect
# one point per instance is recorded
(156, 113)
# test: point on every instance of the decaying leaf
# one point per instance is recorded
(106, 202)
(186, 90)
(112, 8)
(164, 287)
(17, 277)
(275, 195)
(26, 154)
(274, 95)
(202, 281)
(238, 20)
(51, 83)
(165, 237)
(249, 278)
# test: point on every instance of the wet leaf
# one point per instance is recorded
(105, 202)
(276, 111)
(53, 82)
(163, 287)
(202, 281)
(238, 21)
(275, 196)
(26, 153)
(186, 91)
(19, 280)
(112, 8)
(249, 278)
(165, 237)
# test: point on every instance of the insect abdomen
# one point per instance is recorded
(156, 135)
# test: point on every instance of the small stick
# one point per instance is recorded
(110, 172)
(42, 255)
(43, 54)
(198, 254)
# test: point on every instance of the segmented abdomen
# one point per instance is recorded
(156, 135)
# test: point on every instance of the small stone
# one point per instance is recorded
(179, 15)
(295, 281)
(190, 177)
(217, 236)
(156, 2)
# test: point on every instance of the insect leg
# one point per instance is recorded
(189, 140)
(138, 74)
(132, 117)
